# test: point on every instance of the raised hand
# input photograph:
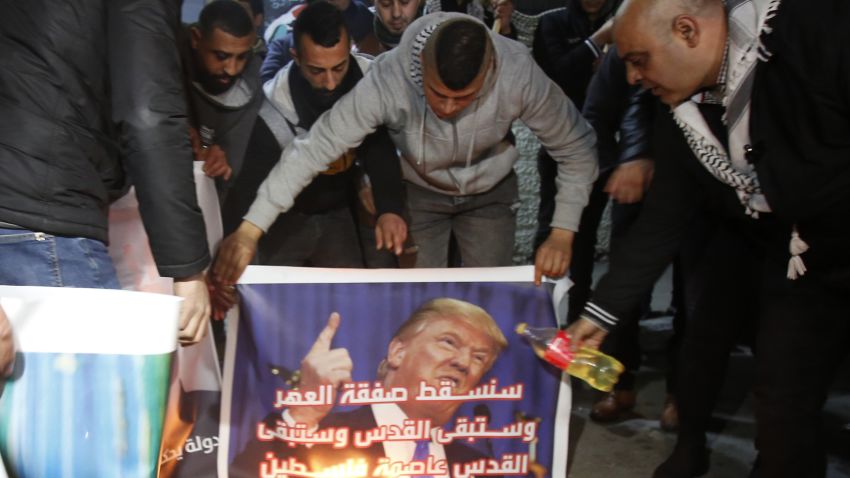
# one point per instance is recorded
(322, 366)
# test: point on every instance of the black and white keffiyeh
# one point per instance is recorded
(747, 20)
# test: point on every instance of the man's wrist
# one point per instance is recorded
(593, 44)
(599, 316)
(250, 230)
(562, 234)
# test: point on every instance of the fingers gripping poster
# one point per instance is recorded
(334, 373)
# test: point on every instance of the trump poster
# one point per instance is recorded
(344, 373)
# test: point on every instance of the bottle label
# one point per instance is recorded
(558, 352)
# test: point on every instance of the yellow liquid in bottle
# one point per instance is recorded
(595, 368)
(600, 371)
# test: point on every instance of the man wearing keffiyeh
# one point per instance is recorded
(753, 133)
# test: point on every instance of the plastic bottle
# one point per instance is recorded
(600, 371)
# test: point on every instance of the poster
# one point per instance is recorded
(190, 439)
(439, 397)
(87, 396)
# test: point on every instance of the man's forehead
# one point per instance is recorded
(317, 55)
(433, 81)
(632, 35)
(459, 326)
(219, 39)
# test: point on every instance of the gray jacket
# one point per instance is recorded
(466, 155)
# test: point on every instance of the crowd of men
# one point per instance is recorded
(353, 139)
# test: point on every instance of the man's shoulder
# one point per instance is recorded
(364, 61)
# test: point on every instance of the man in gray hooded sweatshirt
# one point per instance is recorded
(448, 95)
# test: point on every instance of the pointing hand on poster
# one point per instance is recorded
(553, 256)
(323, 366)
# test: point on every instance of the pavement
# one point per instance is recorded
(633, 447)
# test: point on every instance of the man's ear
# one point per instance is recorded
(294, 54)
(395, 353)
(195, 37)
(686, 28)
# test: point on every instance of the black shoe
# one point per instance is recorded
(684, 462)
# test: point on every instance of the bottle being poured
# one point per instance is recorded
(600, 371)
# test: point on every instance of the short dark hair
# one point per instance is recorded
(226, 15)
(257, 6)
(322, 22)
(460, 50)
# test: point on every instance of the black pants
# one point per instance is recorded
(622, 342)
(801, 335)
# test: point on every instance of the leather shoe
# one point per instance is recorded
(684, 462)
(613, 405)
(670, 415)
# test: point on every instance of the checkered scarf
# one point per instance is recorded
(747, 20)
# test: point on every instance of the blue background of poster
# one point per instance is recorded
(279, 323)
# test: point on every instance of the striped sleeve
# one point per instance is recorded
(599, 316)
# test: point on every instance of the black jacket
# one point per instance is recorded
(91, 100)
(613, 106)
(561, 51)
(800, 130)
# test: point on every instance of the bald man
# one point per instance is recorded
(754, 134)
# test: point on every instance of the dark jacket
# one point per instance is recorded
(91, 95)
(613, 106)
(334, 189)
(561, 47)
(228, 117)
(800, 130)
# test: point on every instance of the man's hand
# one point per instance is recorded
(553, 256)
(584, 333)
(390, 233)
(234, 254)
(215, 162)
(222, 297)
(322, 366)
(630, 180)
(503, 11)
(7, 346)
(195, 310)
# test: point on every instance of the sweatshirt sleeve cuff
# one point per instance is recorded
(599, 316)
(262, 214)
(567, 216)
(593, 48)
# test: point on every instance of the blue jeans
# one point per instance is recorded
(40, 259)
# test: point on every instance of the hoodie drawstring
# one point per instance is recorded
(474, 131)
(421, 156)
